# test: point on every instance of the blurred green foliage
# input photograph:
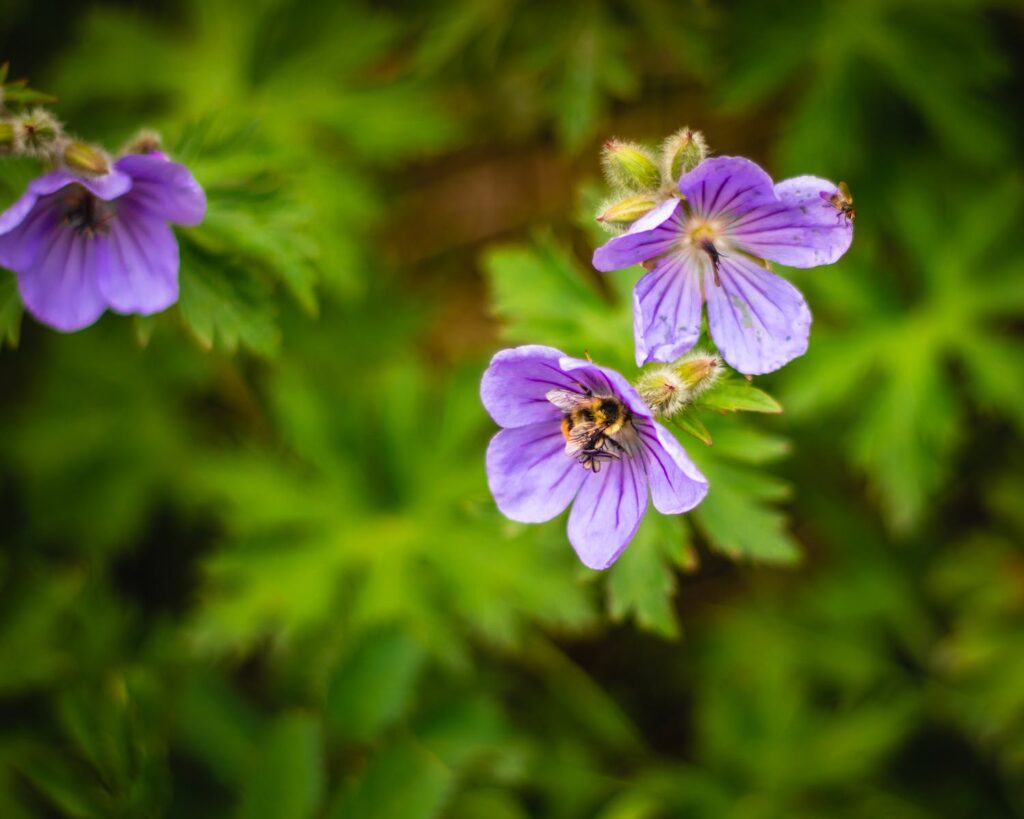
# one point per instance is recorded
(248, 559)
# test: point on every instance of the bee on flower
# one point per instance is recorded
(576, 433)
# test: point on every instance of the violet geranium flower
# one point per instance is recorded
(576, 431)
(710, 246)
(80, 245)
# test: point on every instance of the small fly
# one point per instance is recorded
(709, 247)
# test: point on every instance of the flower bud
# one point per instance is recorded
(630, 166)
(662, 390)
(682, 152)
(698, 370)
(36, 132)
(668, 388)
(628, 210)
(145, 141)
(82, 157)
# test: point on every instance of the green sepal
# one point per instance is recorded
(692, 425)
(738, 396)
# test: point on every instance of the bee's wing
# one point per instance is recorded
(845, 191)
(579, 438)
(565, 400)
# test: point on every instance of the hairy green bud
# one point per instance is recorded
(630, 166)
(82, 157)
(145, 141)
(628, 210)
(682, 152)
(36, 132)
(668, 388)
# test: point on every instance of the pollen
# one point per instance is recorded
(699, 231)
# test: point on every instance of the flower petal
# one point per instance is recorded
(138, 263)
(726, 187)
(108, 186)
(607, 511)
(60, 289)
(648, 237)
(666, 310)
(22, 244)
(604, 381)
(829, 231)
(676, 483)
(530, 476)
(758, 320)
(166, 189)
(515, 383)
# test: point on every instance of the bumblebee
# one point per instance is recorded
(842, 201)
(590, 425)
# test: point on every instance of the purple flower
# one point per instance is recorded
(573, 430)
(82, 244)
(709, 247)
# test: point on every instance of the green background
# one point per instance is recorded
(249, 565)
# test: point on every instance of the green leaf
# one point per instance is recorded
(403, 781)
(642, 582)
(372, 687)
(737, 516)
(542, 295)
(219, 727)
(689, 423)
(285, 778)
(224, 305)
(11, 311)
(730, 395)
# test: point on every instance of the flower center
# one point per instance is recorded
(86, 213)
(703, 234)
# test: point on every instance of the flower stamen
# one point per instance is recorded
(86, 213)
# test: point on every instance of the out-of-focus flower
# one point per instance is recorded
(82, 244)
(575, 431)
(710, 246)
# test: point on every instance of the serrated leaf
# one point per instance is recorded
(224, 305)
(737, 515)
(541, 294)
(642, 583)
(731, 395)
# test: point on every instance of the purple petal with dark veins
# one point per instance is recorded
(666, 310)
(648, 237)
(21, 246)
(726, 187)
(758, 321)
(138, 270)
(676, 483)
(608, 511)
(167, 190)
(515, 383)
(60, 287)
(605, 381)
(108, 186)
(530, 476)
(827, 230)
